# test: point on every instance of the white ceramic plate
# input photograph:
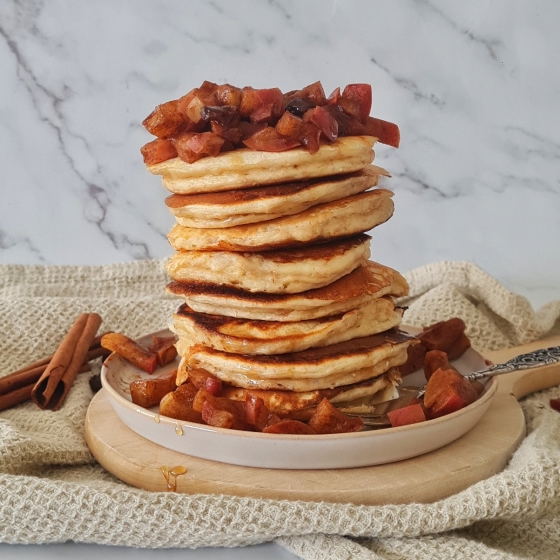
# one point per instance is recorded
(280, 451)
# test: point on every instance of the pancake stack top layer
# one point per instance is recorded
(272, 194)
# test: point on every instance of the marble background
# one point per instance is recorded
(471, 86)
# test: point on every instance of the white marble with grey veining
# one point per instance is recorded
(473, 86)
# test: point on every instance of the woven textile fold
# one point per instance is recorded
(53, 490)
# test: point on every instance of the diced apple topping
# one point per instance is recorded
(214, 118)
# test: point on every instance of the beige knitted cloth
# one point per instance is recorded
(52, 490)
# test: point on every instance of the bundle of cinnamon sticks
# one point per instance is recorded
(47, 381)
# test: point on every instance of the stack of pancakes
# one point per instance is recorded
(272, 262)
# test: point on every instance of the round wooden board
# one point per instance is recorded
(480, 453)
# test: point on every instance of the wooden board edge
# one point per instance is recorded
(413, 480)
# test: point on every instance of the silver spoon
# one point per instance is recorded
(376, 415)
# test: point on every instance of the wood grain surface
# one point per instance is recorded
(480, 453)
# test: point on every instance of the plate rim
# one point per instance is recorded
(114, 395)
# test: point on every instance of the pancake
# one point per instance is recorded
(377, 390)
(244, 168)
(240, 379)
(257, 204)
(356, 288)
(317, 368)
(281, 272)
(244, 336)
(331, 220)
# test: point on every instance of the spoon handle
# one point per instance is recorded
(541, 357)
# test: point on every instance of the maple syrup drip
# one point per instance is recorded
(178, 430)
(171, 474)
(156, 418)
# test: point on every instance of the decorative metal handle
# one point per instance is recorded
(536, 358)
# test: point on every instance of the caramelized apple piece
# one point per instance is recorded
(203, 379)
(461, 346)
(183, 102)
(209, 405)
(250, 101)
(447, 391)
(194, 146)
(261, 104)
(411, 414)
(248, 129)
(287, 426)
(206, 143)
(217, 417)
(448, 336)
(158, 150)
(324, 121)
(290, 126)
(208, 88)
(165, 120)
(228, 95)
(191, 104)
(178, 404)
(294, 128)
(356, 101)
(193, 110)
(164, 349)
(130, 351)
(347, 125)
(302, 415)
(267, 114)
(181, 143)
(149, 392)
(200, 398)
(333, 98)
(329, 420)
(229, 133)
(257, 413)
(435, 359)
(414, 359)
(350, 106)
(314, 92)
(311, 139)
(386, 132)
(190, 125)
(269, 140)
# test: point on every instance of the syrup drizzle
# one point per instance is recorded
(171, 474)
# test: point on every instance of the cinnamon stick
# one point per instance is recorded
(23, 394)
(16, 396)
(12, 382)
(34, 365)
(32, 373)
(16, 387)
(55, 382)
(44, 362)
